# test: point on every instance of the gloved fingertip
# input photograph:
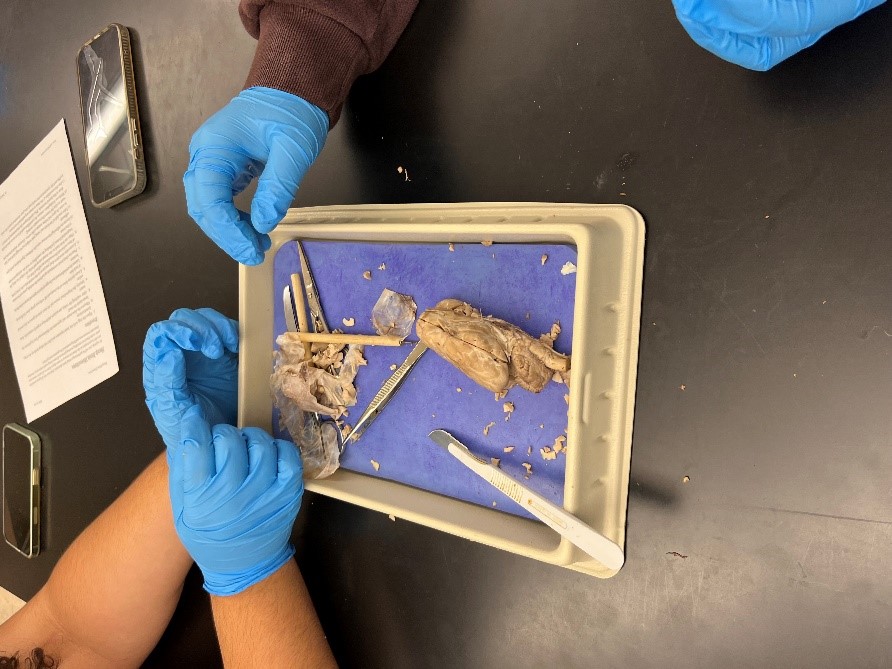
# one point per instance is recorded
(265, 243)
(156, 336)
(212, 350)
(226, 431)
(251, 260)
(264, 216)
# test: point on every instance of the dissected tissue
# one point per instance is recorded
(492, 352)
(321, 384)
(393, 314)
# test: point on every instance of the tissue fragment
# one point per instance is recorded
(394, 314)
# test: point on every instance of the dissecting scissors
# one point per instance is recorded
(314, 305)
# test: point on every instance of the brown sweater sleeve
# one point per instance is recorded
(317, 48)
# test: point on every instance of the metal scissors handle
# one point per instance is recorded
(380, 400)
(314, 303)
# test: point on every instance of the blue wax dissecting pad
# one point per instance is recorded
(508, 281)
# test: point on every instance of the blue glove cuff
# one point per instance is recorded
(295, 102)
(224, 585)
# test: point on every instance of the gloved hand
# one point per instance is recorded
(758, 34)
(191, 360)
(259, 127)
(240, 493)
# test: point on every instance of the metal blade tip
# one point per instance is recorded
(443, 438)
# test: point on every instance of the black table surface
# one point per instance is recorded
(765, 369)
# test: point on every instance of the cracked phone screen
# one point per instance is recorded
(106, 121)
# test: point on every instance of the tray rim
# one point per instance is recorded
(500, 223)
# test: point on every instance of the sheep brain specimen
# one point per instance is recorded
(492, 352)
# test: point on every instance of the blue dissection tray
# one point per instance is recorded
(508, 281)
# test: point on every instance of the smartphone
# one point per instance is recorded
(21, 489)
(112, 135)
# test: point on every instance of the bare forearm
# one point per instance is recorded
(117, 585)
(276, 613)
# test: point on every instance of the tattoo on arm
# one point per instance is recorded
(37, 659)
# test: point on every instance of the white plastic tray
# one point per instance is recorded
(610, 244)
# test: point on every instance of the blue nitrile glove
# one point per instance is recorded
(259, 127)
(240, 492)
(758, 34)
(191, 360)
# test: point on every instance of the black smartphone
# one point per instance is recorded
(112, 135)
(21, 489)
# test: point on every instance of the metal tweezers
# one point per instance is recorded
(380, 400)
